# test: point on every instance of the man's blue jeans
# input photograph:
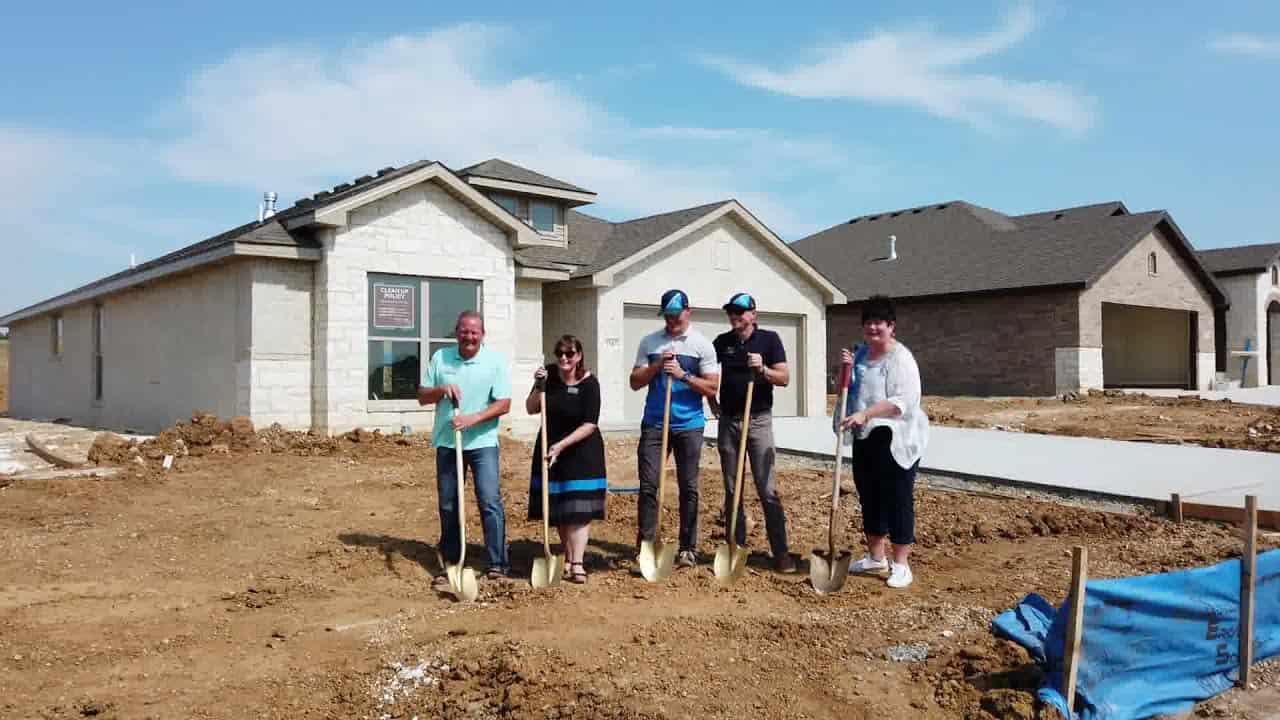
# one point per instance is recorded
(483, 464)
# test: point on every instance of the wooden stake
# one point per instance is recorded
(1075, 622)
(1248, 567)
(1175, 507)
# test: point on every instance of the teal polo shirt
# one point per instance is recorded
(483, 379)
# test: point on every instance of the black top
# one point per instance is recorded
(568, 406)
(734, 373)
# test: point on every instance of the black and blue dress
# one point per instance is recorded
(578, 478)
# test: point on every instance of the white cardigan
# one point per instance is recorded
(895, 377)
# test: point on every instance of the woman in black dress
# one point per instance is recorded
(575, 452)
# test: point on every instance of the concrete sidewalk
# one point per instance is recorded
(1265, 395)
(1148, 472)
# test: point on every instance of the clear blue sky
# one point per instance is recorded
(141, 127)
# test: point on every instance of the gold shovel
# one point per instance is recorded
(462, 580)
(731, 560)
(548, 569)
(656, 557)
(827, 573)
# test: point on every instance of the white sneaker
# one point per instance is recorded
(868, 564)
(899, 576)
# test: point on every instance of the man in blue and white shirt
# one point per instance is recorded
(684, 357)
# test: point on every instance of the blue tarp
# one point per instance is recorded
(1152, 645)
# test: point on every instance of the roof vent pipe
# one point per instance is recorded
(893, 250)
(268, 206)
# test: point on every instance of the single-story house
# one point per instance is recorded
(1250, 276)
(1038, 304)
(319, 315)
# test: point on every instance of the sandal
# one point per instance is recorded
(578, 576)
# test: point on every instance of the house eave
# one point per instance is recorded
(143, 277)
(573, 197)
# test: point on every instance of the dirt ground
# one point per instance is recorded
(4, 375)
(282, 575)
(1118, 416)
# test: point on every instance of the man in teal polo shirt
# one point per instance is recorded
(471, 388)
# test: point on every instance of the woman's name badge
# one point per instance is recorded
(573, 390)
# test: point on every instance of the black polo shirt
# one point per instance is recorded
(734, 373)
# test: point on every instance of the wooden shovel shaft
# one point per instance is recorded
(835, 480)
(462, 498)
(546, 481)
(662, 474)
(742, 464)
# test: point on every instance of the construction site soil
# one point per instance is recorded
(287, 575)
(1116, 415)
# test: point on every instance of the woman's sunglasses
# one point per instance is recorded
(566, 353)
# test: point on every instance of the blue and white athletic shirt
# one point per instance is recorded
(697, 357)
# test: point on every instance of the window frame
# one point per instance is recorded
(555, 215)
(1153, 267)
(99, 330)
(423, 337)
(57, 336)
(1275, 275)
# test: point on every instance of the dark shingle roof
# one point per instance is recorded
(502, 170)
(596, 244)
(1073, 214)
(1240, 260)
(267, 232)
(957, 248)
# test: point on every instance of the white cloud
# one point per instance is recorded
(1255, 46)
(926, 69)
(294, 118)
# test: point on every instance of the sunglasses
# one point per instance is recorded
(566, 353)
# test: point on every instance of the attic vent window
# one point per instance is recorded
(1151, 264)
(1275, 275)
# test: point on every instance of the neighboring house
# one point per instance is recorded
(1250, 276)
(320, 315)
(1037, 304)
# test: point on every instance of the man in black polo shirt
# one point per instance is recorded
(743, 351)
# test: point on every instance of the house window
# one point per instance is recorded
(98, 329)
(55, 335)
(509, 203)
(720, 255)
(409, 319)
(1275, 275)
(543, 216)
(1151, 264)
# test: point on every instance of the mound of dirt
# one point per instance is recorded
(208, 435)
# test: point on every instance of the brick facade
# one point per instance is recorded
(974, 345)
(421, 231)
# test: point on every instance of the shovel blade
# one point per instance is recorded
(656, 560)
(462, 583)
(730, 563)
(827, 574)
(547, 571)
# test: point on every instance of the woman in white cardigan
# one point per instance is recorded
(889, 431)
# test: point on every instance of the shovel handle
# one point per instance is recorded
(744, 430)
(662, 474)
(462, 498)
(846, 371)
(546, 480)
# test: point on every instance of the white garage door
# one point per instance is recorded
(640, 320)
(1146, 347)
